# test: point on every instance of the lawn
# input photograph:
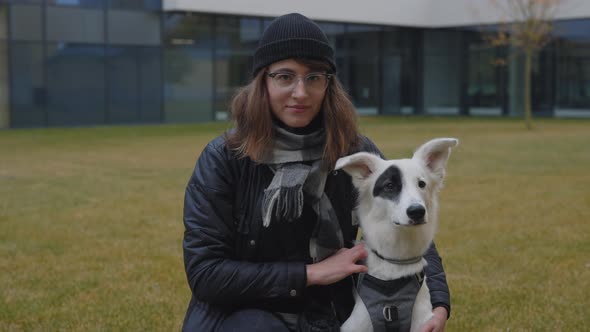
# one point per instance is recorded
(91, 223)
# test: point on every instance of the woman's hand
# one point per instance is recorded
(337, 267)
(437, 322)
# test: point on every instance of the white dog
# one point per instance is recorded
(397, 210)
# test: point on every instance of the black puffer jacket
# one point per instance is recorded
(232, 262)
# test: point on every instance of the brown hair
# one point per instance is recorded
(252, 115)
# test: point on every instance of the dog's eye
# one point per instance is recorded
(421, 184)
(389, 186)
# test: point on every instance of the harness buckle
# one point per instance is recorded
(390, 313)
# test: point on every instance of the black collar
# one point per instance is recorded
(407, 261)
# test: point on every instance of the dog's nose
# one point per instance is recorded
(416, 212)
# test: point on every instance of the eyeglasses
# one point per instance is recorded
(313, 81)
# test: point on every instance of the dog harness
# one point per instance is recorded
(390, 302)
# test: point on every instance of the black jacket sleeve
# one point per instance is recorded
(435, 273)
(213, 272)
(436, 280)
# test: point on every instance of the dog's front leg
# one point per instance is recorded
(359, 320)
(422, 310)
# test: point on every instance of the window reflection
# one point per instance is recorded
(487, 70)
(235, 42)
(188, 67)
(28, 93)
(135, 93)
(188, 29)
(443, 64)
(398, 66)
(573, 89)
(187, 84)
(573, 67)
(362, 67)
(134, 27)
(73, 98)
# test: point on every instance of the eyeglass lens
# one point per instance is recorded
(314, 81)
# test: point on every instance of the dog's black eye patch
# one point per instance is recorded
(389, 184)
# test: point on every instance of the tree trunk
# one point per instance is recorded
(527, 89)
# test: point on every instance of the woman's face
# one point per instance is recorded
(296, 103)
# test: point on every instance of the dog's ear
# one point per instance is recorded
(435, 153)
(359, 165)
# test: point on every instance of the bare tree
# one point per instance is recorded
(527, 28)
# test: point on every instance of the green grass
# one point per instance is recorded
(91, 223)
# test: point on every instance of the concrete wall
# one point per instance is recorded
(417, 13)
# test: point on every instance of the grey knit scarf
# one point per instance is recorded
(296, 161)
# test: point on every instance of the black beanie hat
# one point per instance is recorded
(292, 36)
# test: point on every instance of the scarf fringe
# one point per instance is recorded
(287, 203)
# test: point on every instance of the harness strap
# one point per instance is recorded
(390, 302)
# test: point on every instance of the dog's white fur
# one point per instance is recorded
(386, 226)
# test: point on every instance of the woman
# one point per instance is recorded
(268, 243)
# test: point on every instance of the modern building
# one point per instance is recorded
(97, 62)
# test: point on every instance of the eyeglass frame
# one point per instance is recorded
(272, 75)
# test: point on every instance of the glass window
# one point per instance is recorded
(134, 28)
(361, 67)
(188, 84)
(3, 22)
(572, 30)
(487, 77)
(410, 40)
(150, 81)
(188, 67)
(28, 92)
(75, 25)
(237, 34)
(123, 84)
(78, 3)
(482, 91)
(75, 84)
(232, 71)
(236, 40)
(399, 71)
(573, 67)
(335, 34)
(136, 4)
(25, 22)
(188, 29)
(543, 81)
(4, 87)
(337, 37)
(442, 71)
(135, 93)
(573, 75)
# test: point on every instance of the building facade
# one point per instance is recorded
(102, 62)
